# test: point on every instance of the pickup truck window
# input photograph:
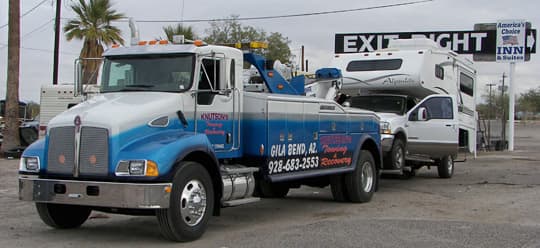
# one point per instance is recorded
(156, 72)
(439, 108)
(382, 104)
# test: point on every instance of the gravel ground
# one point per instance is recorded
(492, 201)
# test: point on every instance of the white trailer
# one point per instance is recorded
(412, 68)
(55, 99)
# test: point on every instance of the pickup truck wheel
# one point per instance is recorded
(361, 182)
(446, 167)
(267, 189)
(63, 216)
(339, 190)
(397, 155)
(191, 204)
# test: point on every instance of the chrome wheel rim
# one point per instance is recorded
(450, 164)
(399, 158)
(193, 202)
(367, 177)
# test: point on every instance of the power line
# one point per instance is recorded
(37, 29)
(27, 12)
(39, 49)
(290, 15)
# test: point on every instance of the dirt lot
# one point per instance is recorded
(492, 201)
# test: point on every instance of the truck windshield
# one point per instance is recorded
(169, 73)
(382, 104)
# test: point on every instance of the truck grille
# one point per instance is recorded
(93, 155)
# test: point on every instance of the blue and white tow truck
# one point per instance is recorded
(176, 134)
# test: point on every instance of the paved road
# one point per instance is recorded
(492, 201)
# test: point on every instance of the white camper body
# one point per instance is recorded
(55, 99)
(416, 68)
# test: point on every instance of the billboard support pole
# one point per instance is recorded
(511, 106)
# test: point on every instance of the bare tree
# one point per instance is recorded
(11, 130)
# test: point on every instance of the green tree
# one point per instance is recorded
(179, 29)
(232, 31)
(11, 130)
(93, 26)
(529, 102)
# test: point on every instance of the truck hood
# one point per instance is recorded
(121, 111)
(389, 117)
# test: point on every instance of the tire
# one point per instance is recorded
(192, 189)
(445, 167)
(63, 216)
(267, 189)
(339, 190)
(361, 183)
(396, 158)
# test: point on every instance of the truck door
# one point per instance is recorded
(433, 127)
(217, 104)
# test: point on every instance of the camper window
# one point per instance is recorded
(466, 84)
(375, 65)
(439, 72)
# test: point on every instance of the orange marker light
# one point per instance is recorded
(152, 42)
(280, 86)
(198, 43)
(115, 46)
(270, 74)
(163, 42)
(151, 169)
(142, 43)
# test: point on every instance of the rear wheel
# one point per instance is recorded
(191, 204)
(445, 168)
(63, 216)
(361, 182)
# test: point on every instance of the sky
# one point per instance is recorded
(315, 33)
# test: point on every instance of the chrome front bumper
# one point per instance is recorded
(91, 193)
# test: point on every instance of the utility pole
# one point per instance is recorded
(11, 113)
(302, 58)
(56, 41)
(503, 117)
(490, 111)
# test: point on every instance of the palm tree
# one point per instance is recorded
(93, 26)
(179, 29)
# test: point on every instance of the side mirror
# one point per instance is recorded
(422, 114)
(77, 84)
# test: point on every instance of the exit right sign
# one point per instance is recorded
(510, 41)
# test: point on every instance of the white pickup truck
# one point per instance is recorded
(414, 133)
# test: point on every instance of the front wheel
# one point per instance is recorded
(361, 182)
(63, 216)
(445, 167)
(191, 204)
(396, 158)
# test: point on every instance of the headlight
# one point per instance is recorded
(385, 128)
(29, 164)
(137, 168)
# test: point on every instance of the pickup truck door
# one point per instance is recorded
(433, 127)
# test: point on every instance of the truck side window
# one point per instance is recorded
(439, 108)
(209, 81)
